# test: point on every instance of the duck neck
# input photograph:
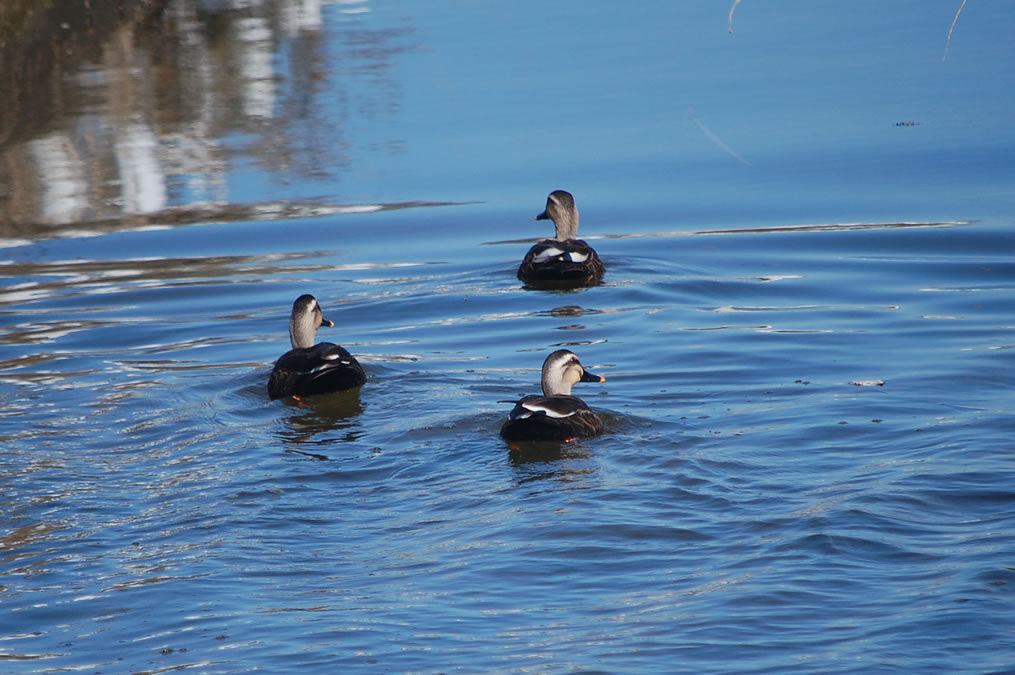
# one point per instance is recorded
(554, 386)
(567, 225)
(302, 332)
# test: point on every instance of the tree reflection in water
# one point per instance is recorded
(123, 119)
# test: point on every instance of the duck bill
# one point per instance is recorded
(543, 216)
(591, 377)
(329, 324)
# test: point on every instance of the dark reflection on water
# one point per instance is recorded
(155, 117)
(40, 42)
(525, 453)
(323, 421)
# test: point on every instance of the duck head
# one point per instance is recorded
(306, 318)
(562, 370)
(561, 209)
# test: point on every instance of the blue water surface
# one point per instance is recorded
(806, 329)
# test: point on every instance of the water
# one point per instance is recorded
(806, 330)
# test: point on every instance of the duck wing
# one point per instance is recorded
(550, 418)
(321, 369)
(571, 261)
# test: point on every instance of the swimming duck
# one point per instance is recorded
(309, 368)
(556, 415)
(565, 259)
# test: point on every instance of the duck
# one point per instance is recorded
(308, 369)
(556, 415)
(565, 259)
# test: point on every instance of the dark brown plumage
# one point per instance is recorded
(564, 260)
(556, 415)
(309, 369)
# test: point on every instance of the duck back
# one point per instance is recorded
(551, 418)
(322, 369)
(569, 262)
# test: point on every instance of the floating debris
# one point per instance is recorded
(867, 383)
(908, 124)
(715, 139)
(948, 41)
(734, 8)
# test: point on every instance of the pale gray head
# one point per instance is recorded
(561, 209)
(562, 370)
(306, 318)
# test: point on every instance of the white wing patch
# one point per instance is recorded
(326, 363)
(553, 252)
(547, 254)
(550, 412)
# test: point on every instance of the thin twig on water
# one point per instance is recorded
(733, 9)
(948, 42)
(715, 139)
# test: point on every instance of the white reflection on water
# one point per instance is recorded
(14, 243)
(254, 39)
(64, 190)
(353, 6)
(945, 289)
(779, 277)
(142, 177)
(301, 15)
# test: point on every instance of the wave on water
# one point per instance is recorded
(818, 227)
